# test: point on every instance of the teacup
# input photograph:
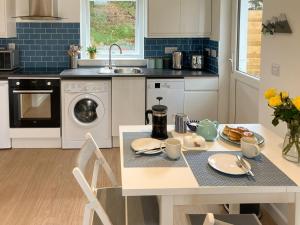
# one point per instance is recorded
(173, 148)
(250, 147)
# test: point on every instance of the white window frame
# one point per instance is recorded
(139, 32)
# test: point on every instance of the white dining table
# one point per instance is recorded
(178, 186)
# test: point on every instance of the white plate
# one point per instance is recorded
(151, 144)
(226, 163)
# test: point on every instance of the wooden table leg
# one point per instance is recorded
(166, 210)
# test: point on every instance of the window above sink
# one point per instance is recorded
(104, 22)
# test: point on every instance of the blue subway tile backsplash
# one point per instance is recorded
(155, 47)
(43, 46)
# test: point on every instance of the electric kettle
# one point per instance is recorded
(159, 120)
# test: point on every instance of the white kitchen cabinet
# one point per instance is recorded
(128, 102)
(199, 105)
(201, 98)
(5, 141)
(179, 18)
(7, 22)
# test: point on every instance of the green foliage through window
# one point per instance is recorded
(113, 22)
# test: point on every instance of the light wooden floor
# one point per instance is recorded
(37, 188)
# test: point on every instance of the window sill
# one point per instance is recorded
(115, 61)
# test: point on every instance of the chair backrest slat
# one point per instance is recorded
(89, 148)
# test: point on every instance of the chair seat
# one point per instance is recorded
(141, 210)
(243, 219)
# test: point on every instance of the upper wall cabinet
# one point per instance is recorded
(179, 18)
(7, 22)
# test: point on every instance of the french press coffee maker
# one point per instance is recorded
(159, 120)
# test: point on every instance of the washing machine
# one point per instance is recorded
(86, 107)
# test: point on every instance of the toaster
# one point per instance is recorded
(9, 59)
(197, 62)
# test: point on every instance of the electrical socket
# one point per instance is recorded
(170, 50)
(214, 53)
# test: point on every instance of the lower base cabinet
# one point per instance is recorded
(128, 102)
(199, 105)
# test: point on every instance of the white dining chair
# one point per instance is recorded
(107, 206)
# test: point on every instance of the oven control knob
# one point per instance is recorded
(49, 83)
(17, 83)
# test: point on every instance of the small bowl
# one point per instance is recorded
(192, 125)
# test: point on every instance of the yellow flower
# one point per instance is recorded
(284, 94)
(296, 102)
(270, 93)
(275, 101)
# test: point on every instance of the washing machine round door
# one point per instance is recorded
(87, 110)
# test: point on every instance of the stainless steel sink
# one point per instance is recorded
(105, 70)
(121, 71)
(128, 71)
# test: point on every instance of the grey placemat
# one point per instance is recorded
(266, 173)
(131, 160)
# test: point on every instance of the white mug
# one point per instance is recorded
(173, 148)
(250, 147)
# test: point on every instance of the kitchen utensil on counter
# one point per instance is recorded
(208, 129)
(173, 148)
(197, 62)
(159, 120)
(227, 163)
(177, 58)
(180, 122)
(250, 147)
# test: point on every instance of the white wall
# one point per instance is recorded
(69, 9)
(282, 49)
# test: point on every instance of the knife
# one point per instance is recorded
(244, 164)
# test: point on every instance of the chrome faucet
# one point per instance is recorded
(109, 59)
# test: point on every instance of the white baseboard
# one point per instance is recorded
(29, 143)
(276, 214)
(34, 133)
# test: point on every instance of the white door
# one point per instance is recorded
(163, 17)
(196, 17)
(245, 78)
(199, 105)
(172, 92)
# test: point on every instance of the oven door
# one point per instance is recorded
(34, 108)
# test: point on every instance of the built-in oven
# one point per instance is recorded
(34, 102)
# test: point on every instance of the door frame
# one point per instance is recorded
(237, 76)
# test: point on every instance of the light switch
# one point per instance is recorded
(275, 69)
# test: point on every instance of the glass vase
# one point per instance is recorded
(291, 145)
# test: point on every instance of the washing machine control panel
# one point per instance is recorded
(85, 87)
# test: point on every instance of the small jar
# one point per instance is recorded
(158, 63)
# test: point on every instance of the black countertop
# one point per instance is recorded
(92, 73)
(148, 73)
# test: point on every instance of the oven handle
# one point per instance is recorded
(32, 91)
